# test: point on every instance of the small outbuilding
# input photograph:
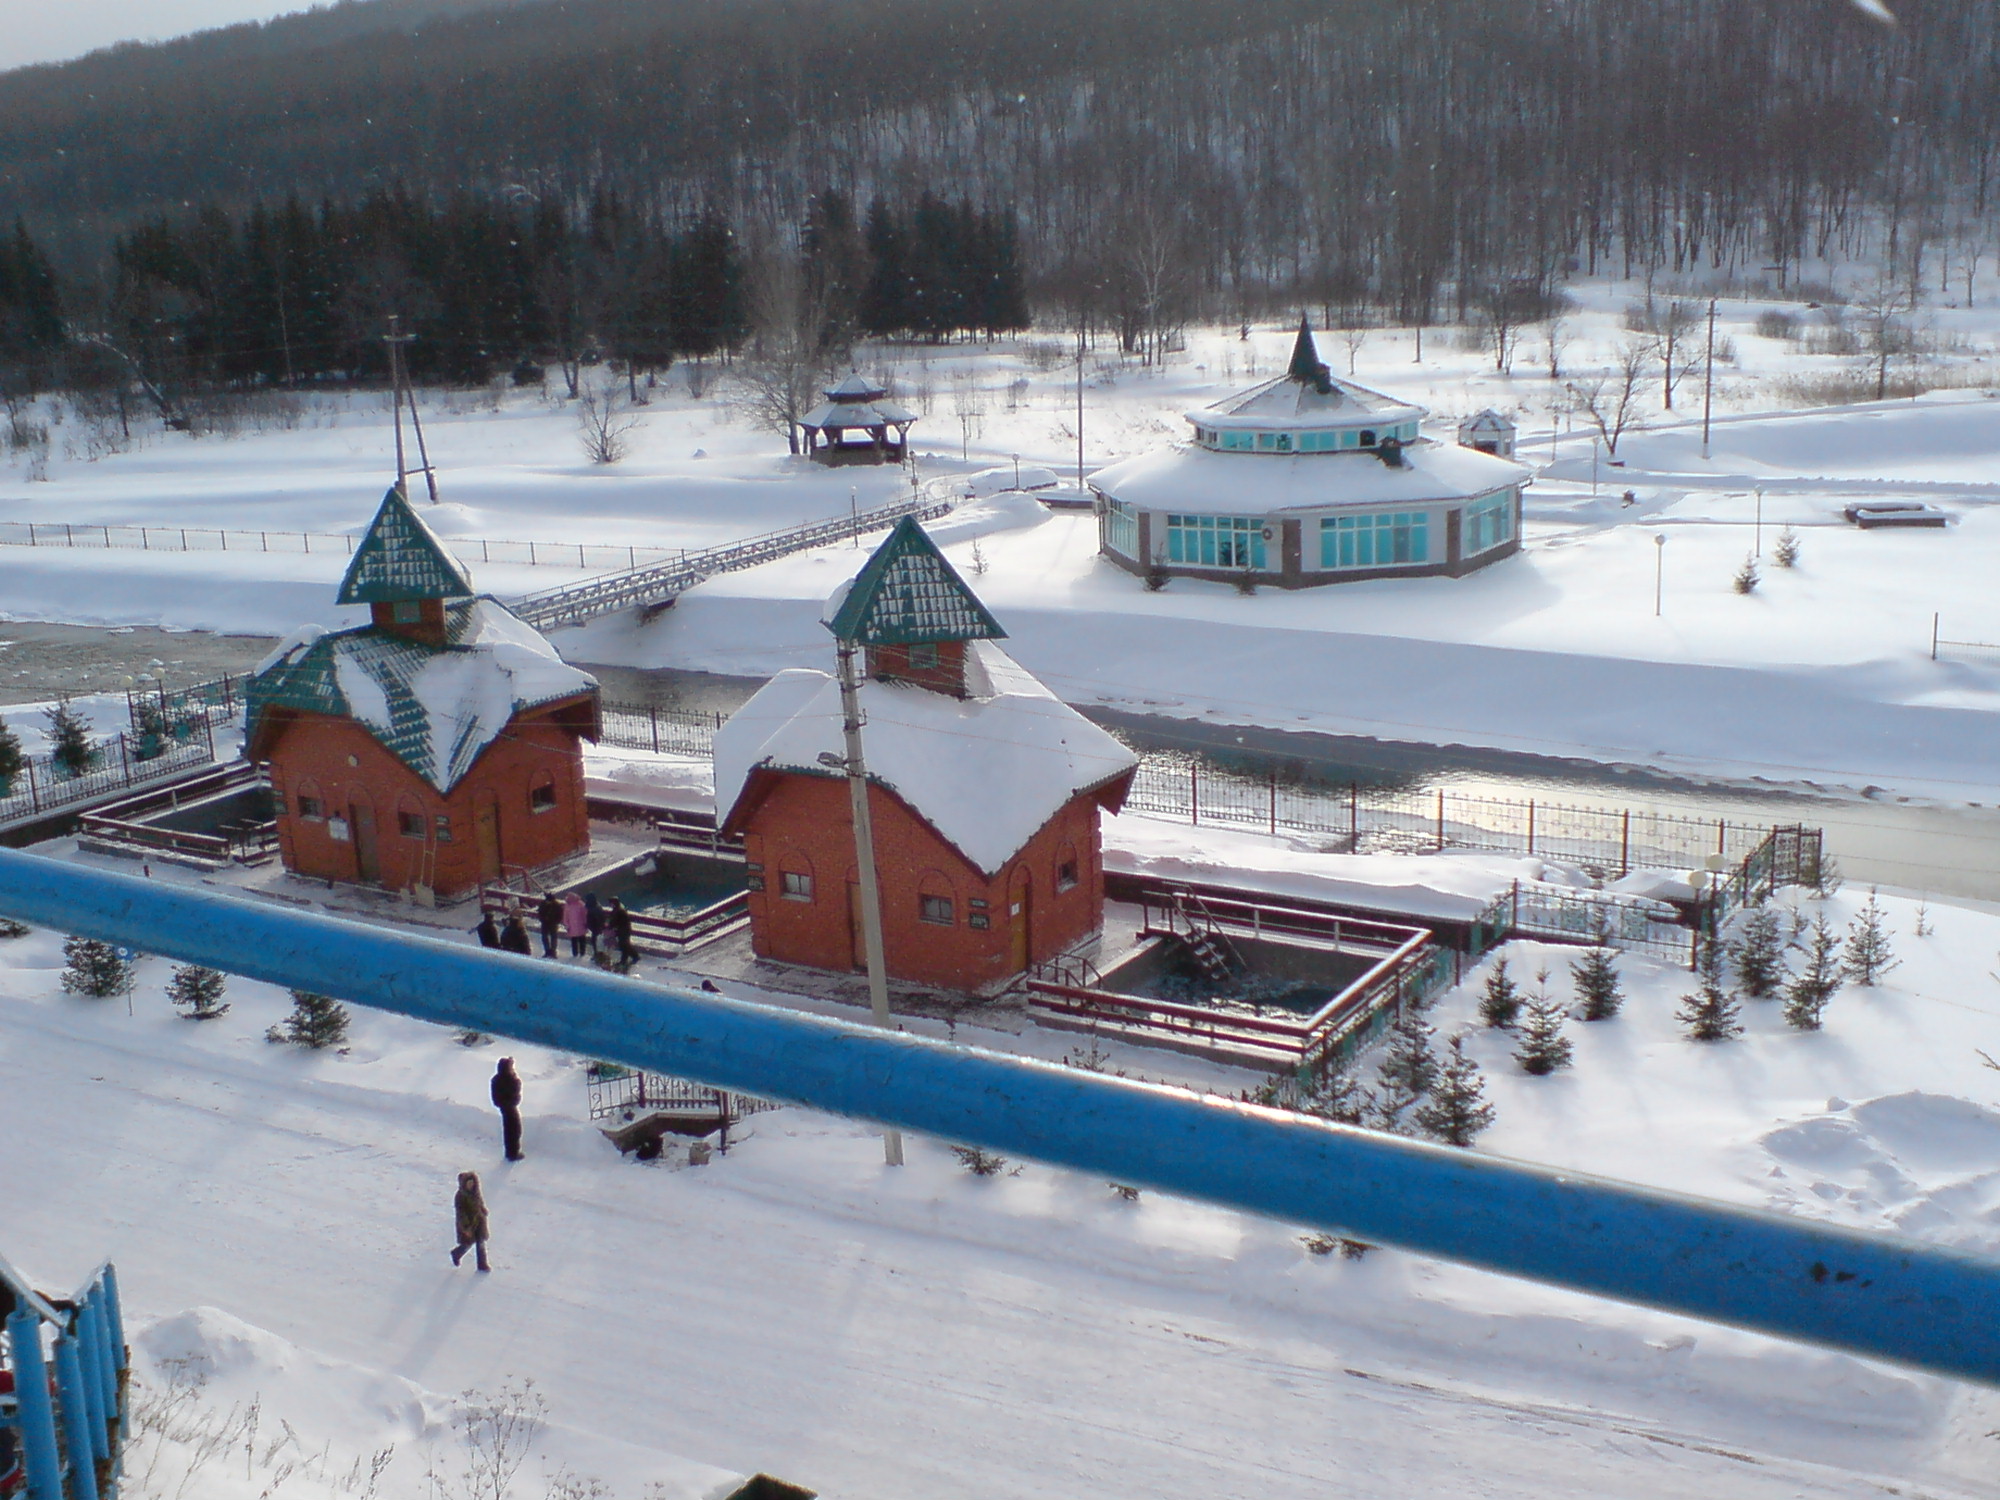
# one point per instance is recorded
(854, 425)
(435, 749)
(1488, 432)
(985, 791)
(1305, 480)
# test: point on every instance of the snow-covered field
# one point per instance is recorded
(1824, 674)
(281, 1219)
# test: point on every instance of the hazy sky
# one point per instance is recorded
(48, 30)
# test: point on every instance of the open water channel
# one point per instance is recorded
(1926, 847)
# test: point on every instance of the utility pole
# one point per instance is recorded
(395, 339)
(1708, 380)
(864, 861)
(1079, 402)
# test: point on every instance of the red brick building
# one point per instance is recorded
(435, 748)
(984, 791)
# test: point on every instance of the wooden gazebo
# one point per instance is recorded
(854, 425)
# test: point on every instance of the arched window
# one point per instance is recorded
(937, 899)
(410, 821)
(1069, 869)
(308, 802)
(795, 876)
(542, 792)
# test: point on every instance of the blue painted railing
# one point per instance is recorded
(1920, 1304)
(72, 1441)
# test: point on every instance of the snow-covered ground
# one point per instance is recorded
(281, 1219)
(1824, 674)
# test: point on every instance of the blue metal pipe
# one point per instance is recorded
(99, 1365)
(73, 1387)
(90, 1365)
(41, 1455)
(1889, 1298)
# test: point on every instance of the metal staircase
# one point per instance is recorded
(1214, 954)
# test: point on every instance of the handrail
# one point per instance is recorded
(1877, 1295)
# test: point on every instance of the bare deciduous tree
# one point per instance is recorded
(1612, 401)
(790, 347)
(604, 425)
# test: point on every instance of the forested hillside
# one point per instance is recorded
(1153, 159)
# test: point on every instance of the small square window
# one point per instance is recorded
(797, 885)
(409, 824)
(407, 612)
(935, 909)
(443, 829)
(542, 796)
(923, 656)
(311, 807)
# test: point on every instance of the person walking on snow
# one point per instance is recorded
(576, 924)
(619, 921)
(514, 936)
(469, 1211)
(506, 1093)
(549, 915)
(488, 930)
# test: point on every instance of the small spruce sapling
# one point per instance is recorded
(980, 1163)
(1747, 577)
(1924, 926)
(1500, 1003)
(1759, 955)
(1813, 986)
(1543, 1047)
(1786, 553)
(1408, 1070)
(95, 969)
(1597, 990)
(314, 1022)
(197, 992)
(1868, 955)
(1456, 1110)
(12, 760)
(9, 928)
(69, 740)
(1710, 1014)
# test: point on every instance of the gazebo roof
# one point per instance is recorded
(1488, 420)
(908, 594)
(401, 559)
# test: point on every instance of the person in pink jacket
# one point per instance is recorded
(576, 924)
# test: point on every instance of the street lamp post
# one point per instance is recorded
(1659, 570)
(1759, 534)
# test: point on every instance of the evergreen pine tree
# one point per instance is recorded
(197, 991)
(94, 969)
(12, 760)
(1759, 955)
(315, 1022)
(70, 745)
(1813, 986)
(1710, 1014)
(1408, 1070)
(9, 928)
(1747, 577)
(1501, 1001)
(1456, 1110)
(1596, 976)
(1788, 548)
(1543, 1047)
(1868, 955)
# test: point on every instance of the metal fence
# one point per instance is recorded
(532, 554)
(664, 731)
(45, 785)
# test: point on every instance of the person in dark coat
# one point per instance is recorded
(549, 915)
(514, 936)
(506, 1093)
(488, 930)
(619, 921)
(469, 1211)
(593, 912)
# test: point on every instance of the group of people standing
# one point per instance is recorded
(591, 926)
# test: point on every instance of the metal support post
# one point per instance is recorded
(864, 862)
(73, 1388)
(40, 1452)
(90, 1365)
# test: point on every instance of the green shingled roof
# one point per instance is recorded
(907, 594)
(401, 559)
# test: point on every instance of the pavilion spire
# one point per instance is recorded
(1307, 367)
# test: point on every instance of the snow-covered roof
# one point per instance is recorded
(857, 402)
(987, 771)
(1201, 480)
(434, 708)
(907, 593)
(401, 559)
(1488, 420)
(1291, 404)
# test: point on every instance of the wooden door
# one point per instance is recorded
(486, 832)
(1020, 921)
(367, 859)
